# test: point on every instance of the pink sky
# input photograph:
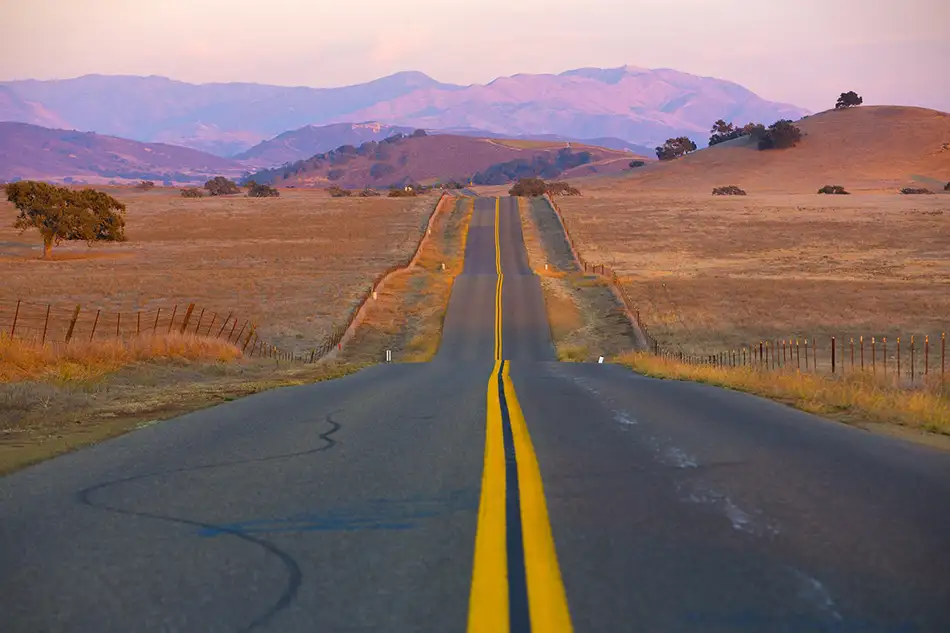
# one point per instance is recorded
(803, 52)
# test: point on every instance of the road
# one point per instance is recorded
(492, 489)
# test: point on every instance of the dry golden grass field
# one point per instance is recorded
(709, 273)
(295, 265)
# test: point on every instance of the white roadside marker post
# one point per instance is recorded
(389, 356)
(600, 361)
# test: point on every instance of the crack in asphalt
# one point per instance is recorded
(294, 574)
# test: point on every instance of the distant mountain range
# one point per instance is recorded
(634, 105)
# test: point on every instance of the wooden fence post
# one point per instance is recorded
(806, 353)
(926, 355)
(834, 347)
(200, 316)
(184, 323)
(852, 353)
(237, 339)
(158, 313)
(249, 335)
(214, 316)
(898, 360)
(118, 323)
(884, 343)
(15, 316)
(943, 355)
(814, 355)
(94, 324)
(862, 352)
(72, 324)
(172, 322)
(45, 325)
(138, 323)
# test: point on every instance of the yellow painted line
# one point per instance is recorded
(547, 599)
(488, 600)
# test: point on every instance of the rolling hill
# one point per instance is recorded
(33, 152)
(310, 140)
(423, 159)
(870, 148)
(637, 105)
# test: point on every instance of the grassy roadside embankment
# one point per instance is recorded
(859, 398)
(585, 318)
(409, 310)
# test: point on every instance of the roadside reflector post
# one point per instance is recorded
(443, 265)
(374, 295)
(600, 361)
(389, 356)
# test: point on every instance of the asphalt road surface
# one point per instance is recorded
(493, 490)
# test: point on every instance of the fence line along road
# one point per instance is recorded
(53, 325)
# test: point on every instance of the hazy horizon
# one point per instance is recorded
(803, 54)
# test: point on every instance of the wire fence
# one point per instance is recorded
(914, 359)
(53, 325)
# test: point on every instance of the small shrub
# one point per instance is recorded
(368, 193)
(528, 188)
(946, 187)
(419, 134)
(262, 191)
(780, 135)
(915, 191)
(145, 185)
(562, 189)
(402, 193)
(637, 163)
(730, 190)
(834, 190)
(339, 192)
(221, 186)
(192, 192)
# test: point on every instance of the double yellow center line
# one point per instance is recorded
(516, 580)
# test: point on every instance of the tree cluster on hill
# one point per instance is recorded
(192, 192)
(908, 191)
(62, 214)
(533, 187)
(780, 135)
(538, 167)
(848, 100)
(722, 131)
(675, 147)
(339, 192)
(221, 186)
(377, 150)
